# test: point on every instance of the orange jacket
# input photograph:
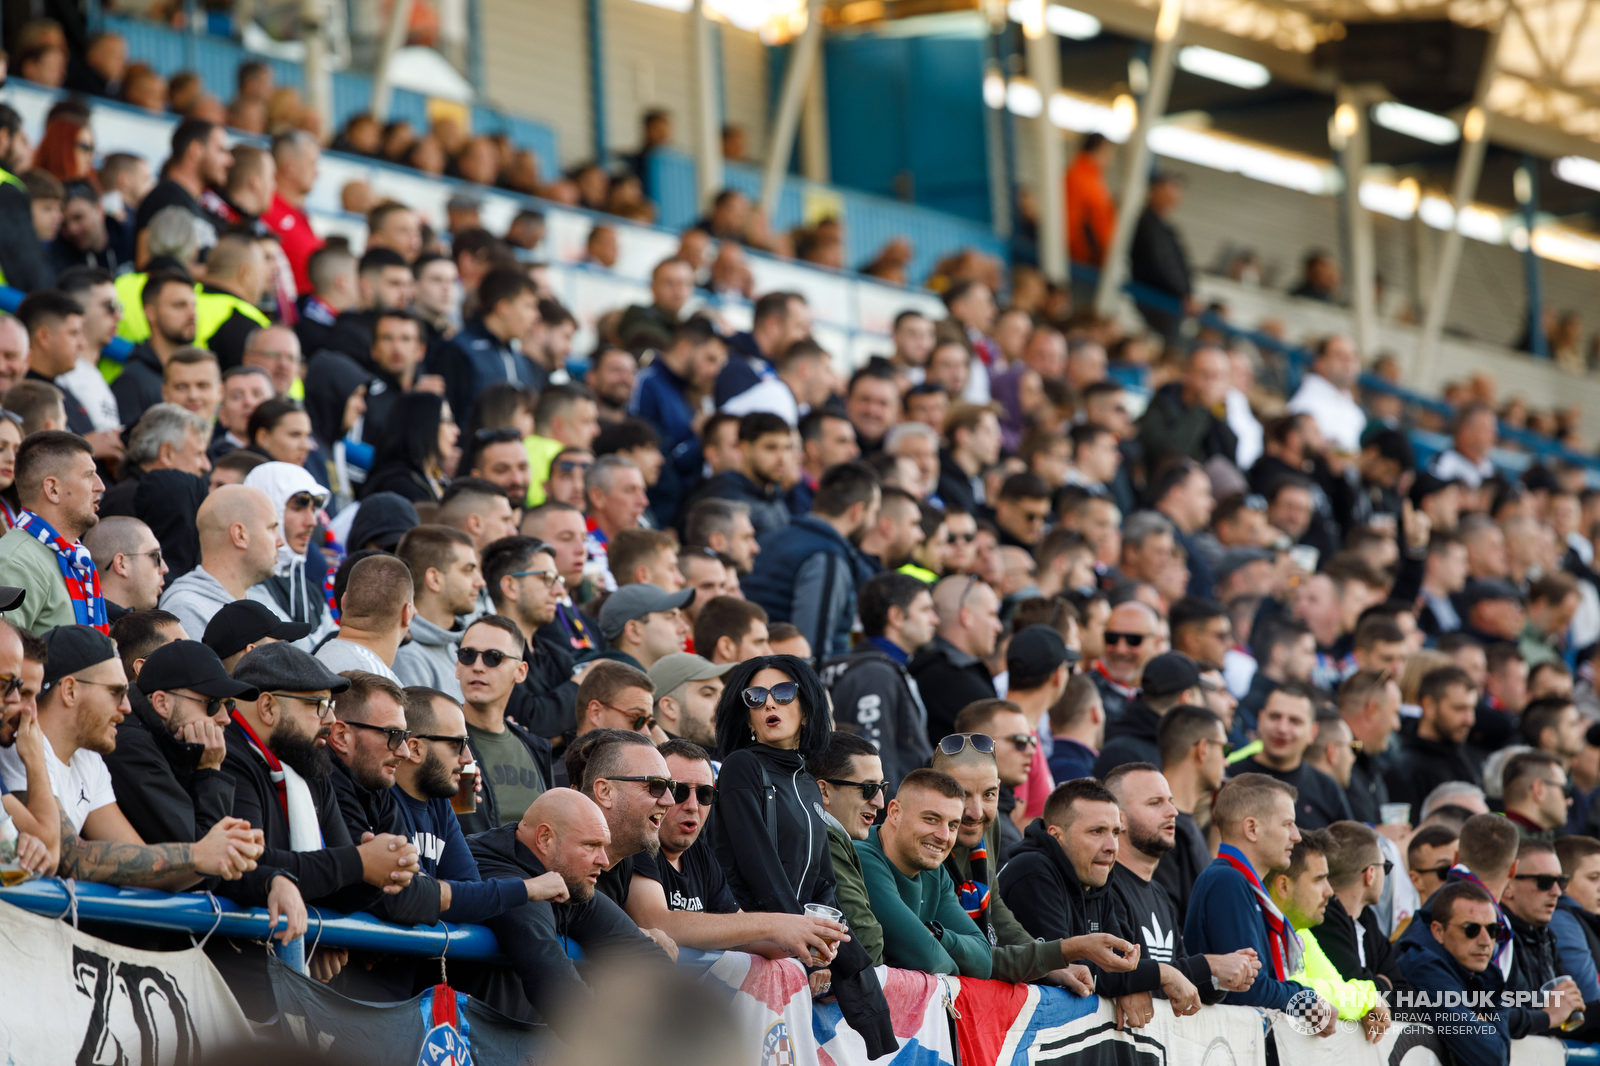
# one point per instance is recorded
(1091, 213)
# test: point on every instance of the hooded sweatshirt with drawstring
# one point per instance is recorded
(289, 591)
(429, 659)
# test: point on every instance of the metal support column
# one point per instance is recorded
(703, 56)
(1044, 67)
(1469, 167)
(319, 78)
(1526, 187)
(394, 38)
(1351, 125)
(597, 81)
(1136, 177)
(814, 161)
(802, 63)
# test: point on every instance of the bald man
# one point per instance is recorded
(949, 671)
(239, 541)
(128, 557)
(563, 832)
(1130, 643)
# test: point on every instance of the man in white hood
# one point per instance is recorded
(239, 541)
(296, 498)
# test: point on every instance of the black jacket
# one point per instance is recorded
(158, 782)
(1368, 791)
(954, 485)
(1157, 257)
(1319, 800)
(138, 387)
(1420, 766)
(402, 479)
(1178, 869)
(878, 695)
(534, 937)
(21, 254)
(1151, 912)
(1130, 738)
(772, 842)
(538, 748)
(767, 509)
(366, 811)
(1338, 935)
(1536, 958)
(948, 679)
(1171, 427)
(1043, 891)
(118, 499)
(1112, 698)
(331, 377)
(545, 704)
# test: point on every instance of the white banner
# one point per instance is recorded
(71, 998)
(1412, 1044)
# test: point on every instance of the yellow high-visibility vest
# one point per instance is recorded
(212, 309)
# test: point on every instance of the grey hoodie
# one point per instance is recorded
(196, 597)
(430, 658)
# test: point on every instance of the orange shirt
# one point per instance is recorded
(1091, 214)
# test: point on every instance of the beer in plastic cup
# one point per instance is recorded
(820, 910)
(465, 801)
(1395, 813)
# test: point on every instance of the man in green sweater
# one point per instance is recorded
(1016, 955)
(849, 775)
(924, 927)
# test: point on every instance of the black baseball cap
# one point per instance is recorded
(190, 664)
(11, 597)
(1493, 588)
(1428, 483)
(245, 622)
(73, 648)
(1036, 651)
(1169, 674)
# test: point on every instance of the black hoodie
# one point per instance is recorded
(1130, 738)
(1421, 765)
(139, 385)
(1043, 891)
(534, 937)
(772, 840)
(331, 377)
(158, 782)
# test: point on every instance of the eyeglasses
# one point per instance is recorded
(459, 744)
(1477, 929)
(323, 704)
(213, 703)
(1227, 749)
(966, 538)
(705, 795)
(301, 501)
(568, 466)
(497, 436)
(1023, 741)
(1388, 866)
(1132, 640)
(396, 737)
(154, 557)
(869, 789)
(1439, 871)
(549, 577)
(656, 786)
(783, 692)
(118, 692)
(492, 657)
(641, 719)
(954, 743)
(1544, 882)
(10, 685)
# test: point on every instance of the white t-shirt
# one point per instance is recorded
(81, 786)
(341, 655)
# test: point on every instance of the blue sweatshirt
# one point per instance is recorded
(442, 853)
(1576, 958)
(1224, 916)
(1476, 1036)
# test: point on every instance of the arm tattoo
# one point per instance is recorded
(111, 863)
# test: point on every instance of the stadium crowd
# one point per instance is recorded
(963, 664)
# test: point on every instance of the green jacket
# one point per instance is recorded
(1535, 647)
(1017, 956)
(851, 890)
(904, 905)
(28, 564)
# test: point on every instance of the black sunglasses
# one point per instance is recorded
(1132, 640)
(301, 501)
(396, 737)
(10, 685)
(492, 657)
(1473, 929)
(567, 466)
(783, 692)
(705, 795)
(656, 786)
(1544, 882)
(458, 743)
(955, 742)
(213, 703)
(1436, 871)
(1388, 867)
(869, 789)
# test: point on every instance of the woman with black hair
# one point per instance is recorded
(418, 448)
(281, 431)
(771, 839)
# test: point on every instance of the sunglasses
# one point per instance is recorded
(1132, 640)
(1388, 866)
(324, 704)
(967, 538)
(1432, 871)
(955, 742)
(705, 795)
(656, 786)
(396, 737)
(213, 703)
(640, 719)
(492, 657)
(1023, 741)
(869, 789)
(568, 466)
(1227, 749)
(301, 501)
(1476, 929)
(10, 685)
(549, 577)
(1544, 882)
(458, 744)
(783, 692)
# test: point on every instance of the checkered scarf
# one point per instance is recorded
(77, 571)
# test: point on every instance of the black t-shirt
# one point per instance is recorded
(616, 881)
(698, 886)
(1320, 801)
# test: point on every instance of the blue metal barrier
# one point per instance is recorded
(187, 912)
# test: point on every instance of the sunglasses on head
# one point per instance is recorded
(955, 742)
(1132, 640)
(492, 657)
(1476, 929)
(705, 795)
(1544, 882)
(497, 436)
(783, 692)
(656, 786)
(869, 789)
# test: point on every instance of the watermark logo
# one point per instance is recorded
(1308, 1013)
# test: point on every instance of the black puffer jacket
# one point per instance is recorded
(772, 841)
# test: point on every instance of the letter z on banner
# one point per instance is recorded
(104, 1002)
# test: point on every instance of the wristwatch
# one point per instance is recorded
(936, 929)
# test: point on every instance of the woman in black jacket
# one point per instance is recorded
(770, 835)
(419, 440)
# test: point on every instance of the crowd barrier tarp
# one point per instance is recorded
(439, 1026)
(1407, 1044)
(72, 998)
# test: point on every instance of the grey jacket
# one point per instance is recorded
(197, 596)
(430, 658)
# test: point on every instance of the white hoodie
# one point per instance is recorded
(281, 481)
